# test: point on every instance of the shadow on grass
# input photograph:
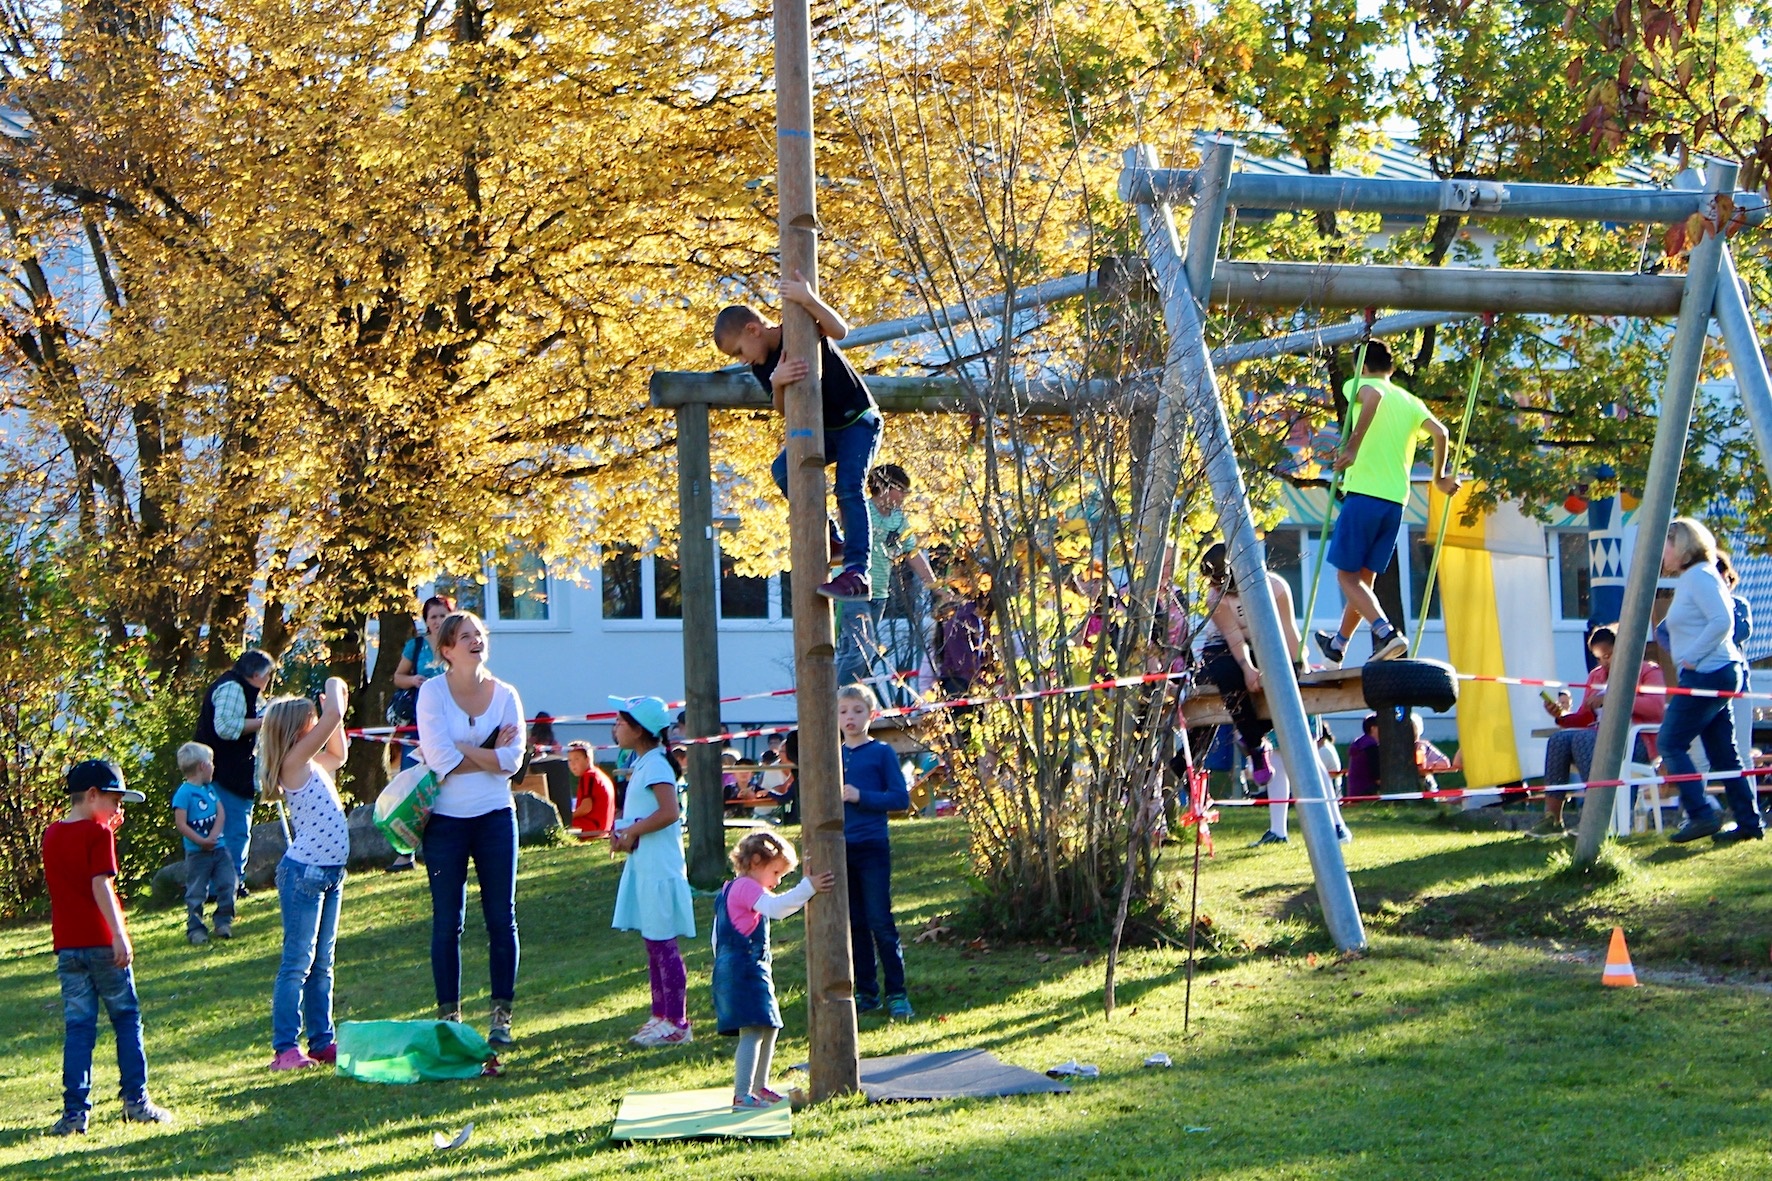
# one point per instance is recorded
(1404, 1100)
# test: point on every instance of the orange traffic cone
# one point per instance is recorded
(1618, 973)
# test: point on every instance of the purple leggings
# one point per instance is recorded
(670, 982)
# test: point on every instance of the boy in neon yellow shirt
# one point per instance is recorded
(1375, 461)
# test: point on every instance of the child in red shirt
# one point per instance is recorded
(593, 807)
(92, 949)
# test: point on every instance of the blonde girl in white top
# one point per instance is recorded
(298, 754)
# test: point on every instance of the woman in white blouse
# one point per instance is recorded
(470, 729)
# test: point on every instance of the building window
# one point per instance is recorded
(1573, 575)
(521, 585)
(623, 596)
(667, 587)
(649, 587)
(1421, 558)
(741, 597)
(468, 594)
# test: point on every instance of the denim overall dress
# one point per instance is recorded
(744, 986)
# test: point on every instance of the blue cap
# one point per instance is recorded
(650, 712)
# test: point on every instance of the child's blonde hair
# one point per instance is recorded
(193, 755)
(286, 720)
(859, 693)
(762, 848)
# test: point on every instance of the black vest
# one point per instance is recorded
(234, 762)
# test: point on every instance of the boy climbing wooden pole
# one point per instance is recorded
(830, 990)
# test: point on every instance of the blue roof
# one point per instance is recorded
(1397, 158)
(1756, 588)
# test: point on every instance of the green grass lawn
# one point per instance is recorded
(1474, 1041)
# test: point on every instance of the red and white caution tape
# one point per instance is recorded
(1459, 793)
(1663, 690)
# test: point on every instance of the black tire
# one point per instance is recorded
(1428, 683)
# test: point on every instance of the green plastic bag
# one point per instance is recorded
(405, 804)
(410, 1051)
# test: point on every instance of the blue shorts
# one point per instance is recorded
(1365, 536)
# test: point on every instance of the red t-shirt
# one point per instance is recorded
(75, 852)
(593, 809)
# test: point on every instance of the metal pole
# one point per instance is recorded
(830, 975)
(1427, 198)
(1653, 515)
(1191, 372)
(1309, 340)
(976, 311)
(1163, 466)
(1450, 289)
(701, 649)
(1742, 341)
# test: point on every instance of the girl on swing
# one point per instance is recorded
(1226, 659)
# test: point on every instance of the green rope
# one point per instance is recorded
(1310, 603)
(1433, 566)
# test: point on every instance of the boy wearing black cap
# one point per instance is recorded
(92, 949)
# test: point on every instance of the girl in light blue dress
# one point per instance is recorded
(653, 897)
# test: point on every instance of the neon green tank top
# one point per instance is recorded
(1387, 453)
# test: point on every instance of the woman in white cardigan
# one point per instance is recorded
(1700, 626)
(470, 730)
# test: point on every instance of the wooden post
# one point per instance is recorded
(830, 974)
(701, 650)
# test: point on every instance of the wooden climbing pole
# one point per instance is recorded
(830, 975)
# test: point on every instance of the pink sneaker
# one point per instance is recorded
(292, 1059)
(327, 1056)
(768, 1096)
(851, 586)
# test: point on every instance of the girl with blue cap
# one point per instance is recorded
(653, 897)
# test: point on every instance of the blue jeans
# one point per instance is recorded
(237, 830)
(852, 449)
(1711, 720)
(490, 842)
(207, 869)
(90, 976)
(858, 643)
(871, 927)
(309, 897)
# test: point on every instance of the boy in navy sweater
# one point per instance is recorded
(873, 785)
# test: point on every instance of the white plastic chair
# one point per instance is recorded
(1649, 798)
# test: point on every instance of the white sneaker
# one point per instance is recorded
(666, 1033)
(647, 1030)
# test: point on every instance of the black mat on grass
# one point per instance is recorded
(950, 1074)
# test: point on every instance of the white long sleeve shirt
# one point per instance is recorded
(443, 725)
(1701, 620)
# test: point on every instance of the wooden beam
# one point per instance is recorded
(701, 648)
(927, 394)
